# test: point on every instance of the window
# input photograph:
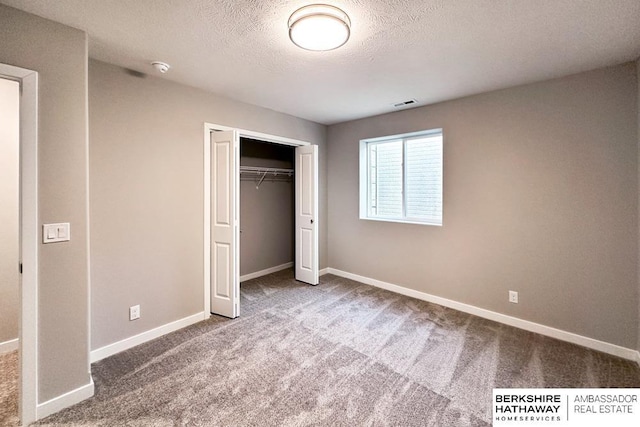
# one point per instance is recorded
(401, 178)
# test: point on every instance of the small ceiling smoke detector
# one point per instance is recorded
(163, 67)
(405, 103)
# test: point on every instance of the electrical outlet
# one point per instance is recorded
(134, 312)
(513, 297)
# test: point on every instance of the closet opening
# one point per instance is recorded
(267, 162)
(267, 208)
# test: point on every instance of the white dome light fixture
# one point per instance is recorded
(319, 27)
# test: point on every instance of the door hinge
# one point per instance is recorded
(20, 268)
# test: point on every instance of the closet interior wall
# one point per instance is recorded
(267, 237)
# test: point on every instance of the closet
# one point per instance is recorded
(267, 206)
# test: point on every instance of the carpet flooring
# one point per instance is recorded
(338, 354)
(9, 388)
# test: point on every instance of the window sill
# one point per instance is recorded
(402, 221)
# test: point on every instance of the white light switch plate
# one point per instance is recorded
(60, 232)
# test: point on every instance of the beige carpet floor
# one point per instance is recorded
(9, 389)
(338, 354)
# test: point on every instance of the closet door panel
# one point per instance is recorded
(225, 287)
(307, 251)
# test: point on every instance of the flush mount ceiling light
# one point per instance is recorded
(319, 27)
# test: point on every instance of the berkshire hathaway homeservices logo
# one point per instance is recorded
(566, 407)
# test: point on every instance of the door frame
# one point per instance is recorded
(28, 159)
(208, 128)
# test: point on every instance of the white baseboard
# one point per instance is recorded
(591, 343)
(266, 271)
(64, 401)
(324, 271)
(11, 345)
(127, 343)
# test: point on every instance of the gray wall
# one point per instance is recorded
(266, 213)
(146, 167)
(540, 196)
(9, 235)
(59, 54)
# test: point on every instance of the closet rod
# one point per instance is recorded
(261, 170)
(255, 170)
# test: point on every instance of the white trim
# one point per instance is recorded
(266, 271)
(88, 201)
(29, 368)
(65, 400)
(207, 220)
(208, 128)
(9, 346)
(324, 271)
(258, 135)
(409, 135)
(591, 343)
(127, 343)
(28, 339)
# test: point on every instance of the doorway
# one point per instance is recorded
(9, 248)
(222, 219)
(267, 226)
(25, 218)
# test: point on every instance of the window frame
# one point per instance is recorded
(365, 170)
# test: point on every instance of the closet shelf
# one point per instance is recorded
(264, 172)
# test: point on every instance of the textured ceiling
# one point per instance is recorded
(430, 50)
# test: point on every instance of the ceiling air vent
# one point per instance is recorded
(405, 103)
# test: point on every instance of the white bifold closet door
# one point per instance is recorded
(307, 252)
(225, 203)
(225, 223)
